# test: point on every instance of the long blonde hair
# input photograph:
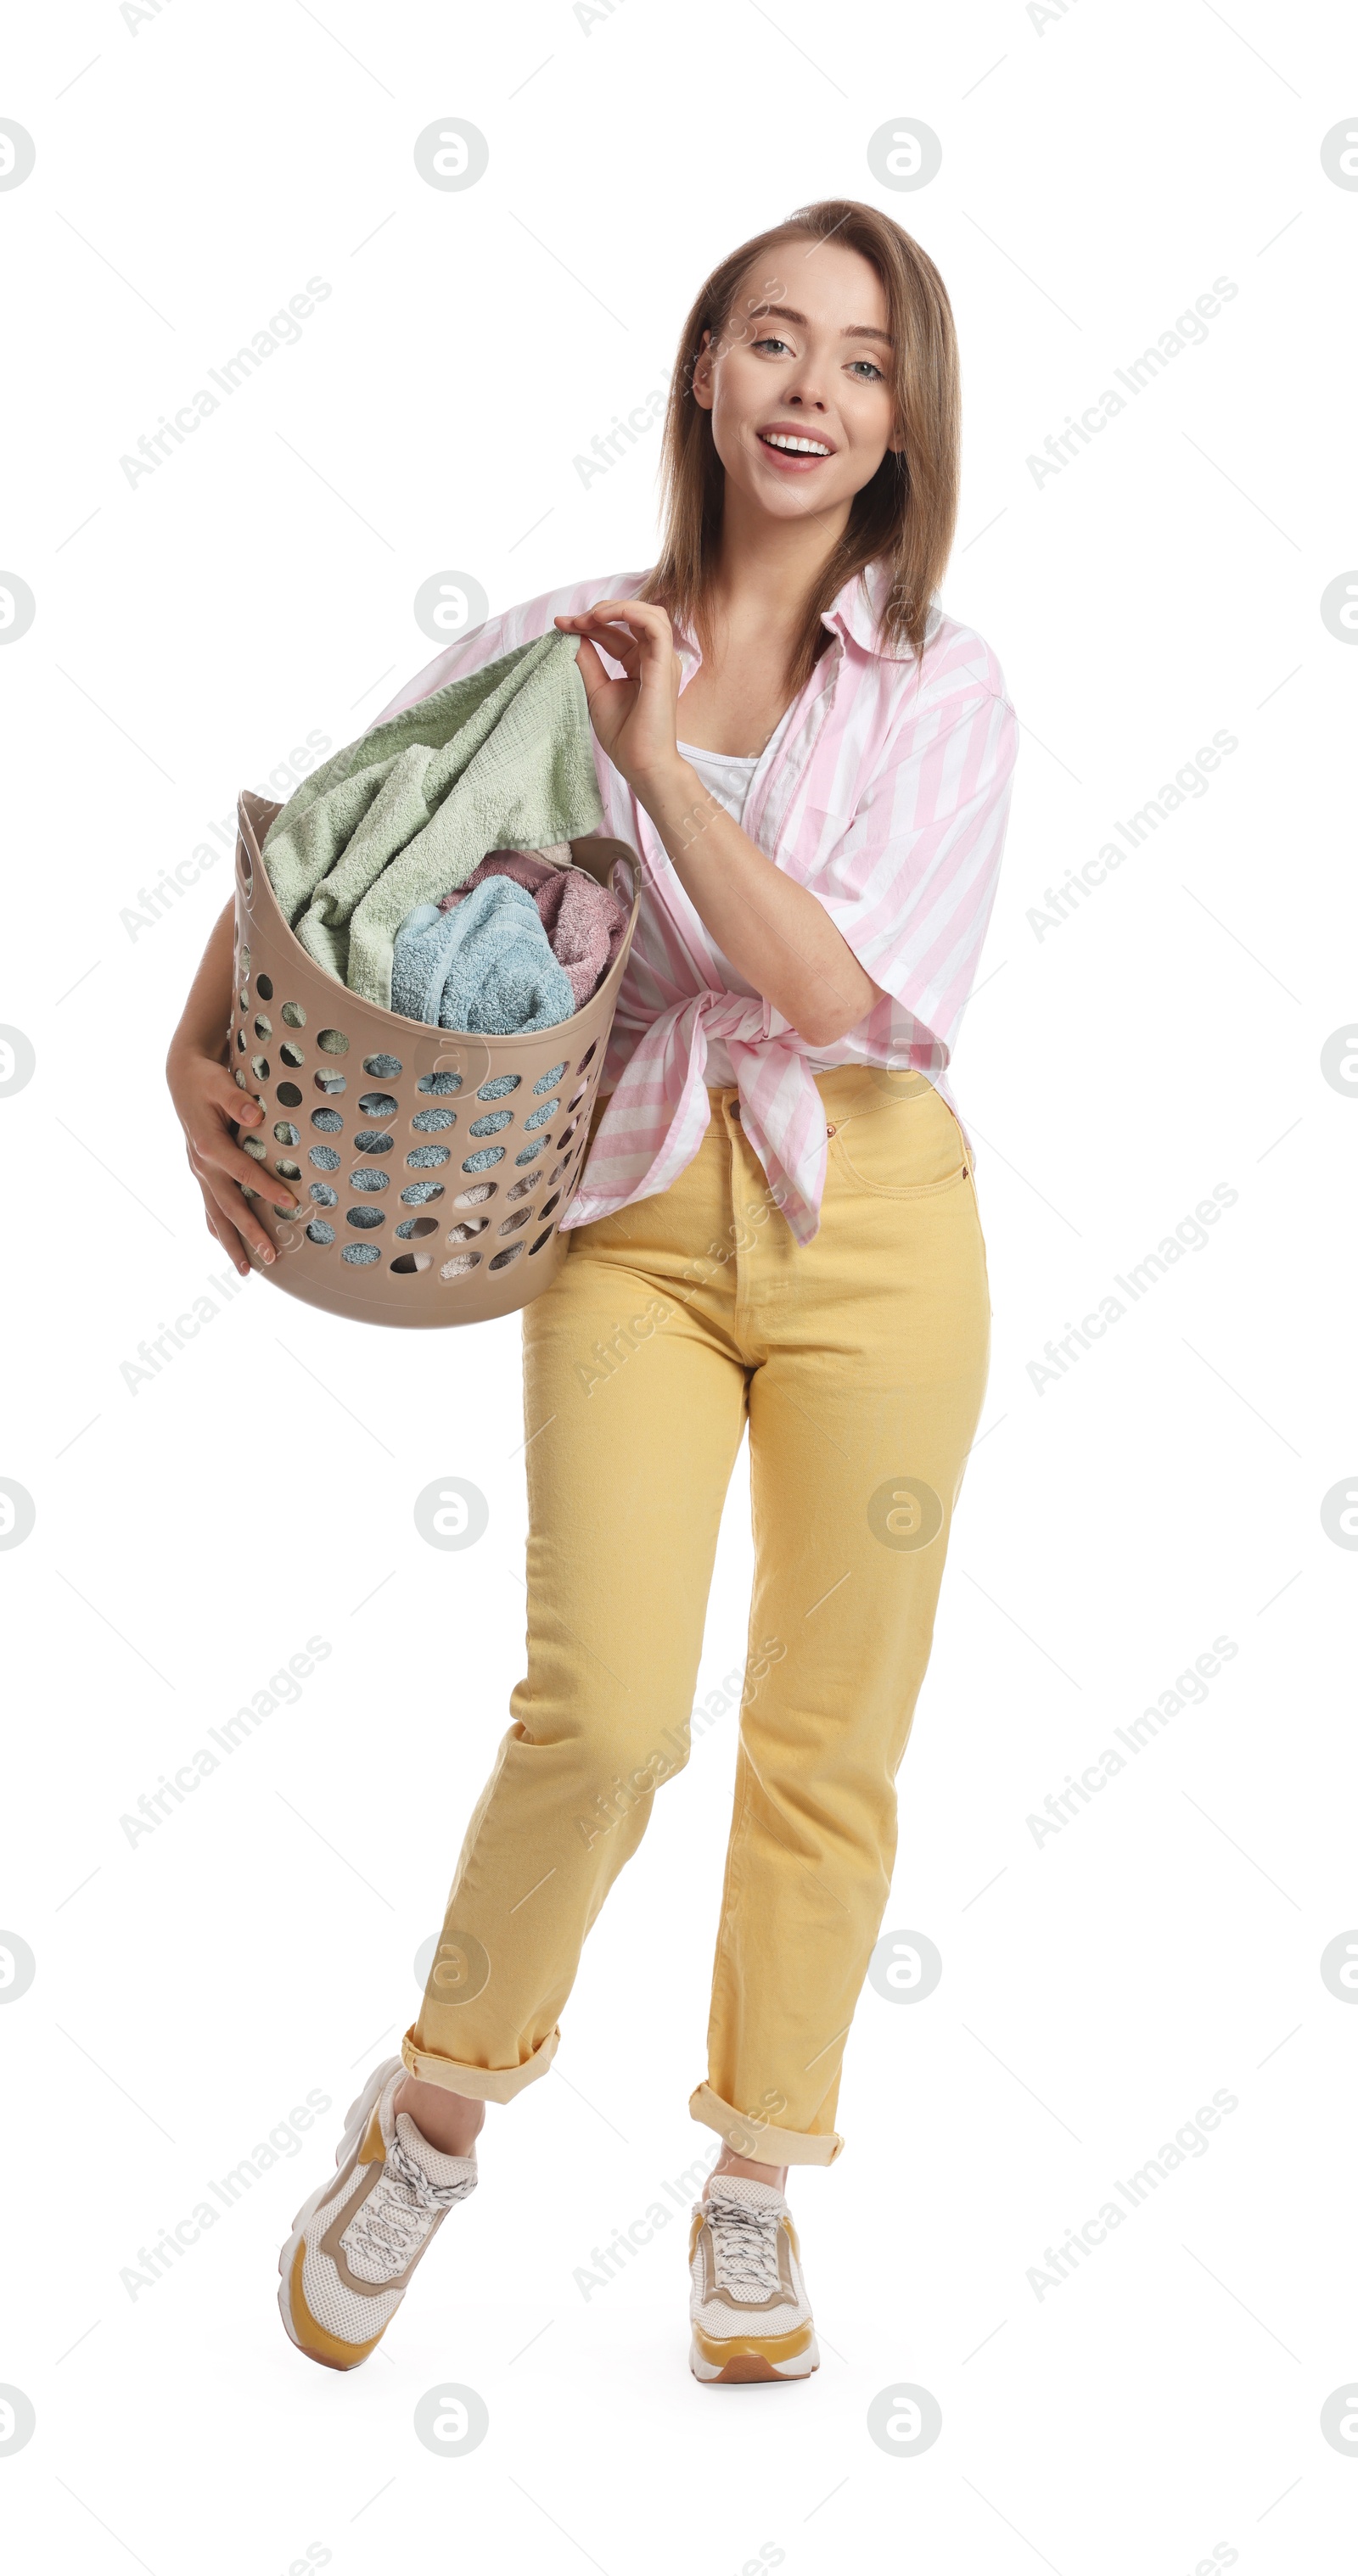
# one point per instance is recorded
(906, 516)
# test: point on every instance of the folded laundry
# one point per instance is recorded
(486, 966)
(503, 759)
(585, 922)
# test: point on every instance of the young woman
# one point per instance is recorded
(776, 1226)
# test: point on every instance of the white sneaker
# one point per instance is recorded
(354, 2244)
(750, 2312)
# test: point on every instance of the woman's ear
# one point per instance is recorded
(702, 373)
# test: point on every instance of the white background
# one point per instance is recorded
(1099, 172)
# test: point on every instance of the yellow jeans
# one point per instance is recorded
(859, 1363)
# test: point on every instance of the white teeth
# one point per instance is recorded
(795, 446)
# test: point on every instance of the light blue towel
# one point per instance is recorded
(484, 966)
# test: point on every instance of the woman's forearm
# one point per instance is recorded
(206, 1017)
(777, 935)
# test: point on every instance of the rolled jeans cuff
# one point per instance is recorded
(757, 2138)
(477, 2083)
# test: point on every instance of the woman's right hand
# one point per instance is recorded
(209, 1102)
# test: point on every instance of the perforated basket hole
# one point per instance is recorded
(377, 1104)
(364, 1219)
(439, 1083)
(578, 1097)
(421, 1192)
(333, 1083)
(244, 963)
(557, 1169)
(291, 1054)
(383, 1068)
(493, 1125)
(522, 1189)
(362, 1255)
(319, 1232)
(294, 1014)
(460, 1264)
(240, 1077)
(323, 1196)
(369, 1179)
(370, 1140)
(323, 1158)
(254, 1146)
(286, 1134)
(531, 1152)
(567, 1132)
(264, 987)
(287, 1171)
(541, 1117)
(433, 1122)
(263, 1025)
(329, 1121)
(548, 1204)
(482, 1162)
(240, 1040)
(415, 1228)
(476, 1198)
(544, 1237)
(548, 1081)
(498, 1088)
(259, 1066)
(503, 1259)
(512, 1224)
(333, 1042)
(289, 1095)
(410, 1261)
(468, 1230)
(426, 1158)
(588, 1056)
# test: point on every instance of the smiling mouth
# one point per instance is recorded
(805, 451)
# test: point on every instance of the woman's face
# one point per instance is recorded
(799, 383)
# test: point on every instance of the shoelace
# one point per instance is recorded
(396, 2216)
(744, 2246)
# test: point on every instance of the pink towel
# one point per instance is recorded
(584, 922)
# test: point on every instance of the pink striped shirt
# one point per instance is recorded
(886, 794)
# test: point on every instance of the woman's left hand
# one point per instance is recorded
(634, 718)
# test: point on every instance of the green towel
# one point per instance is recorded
(503, 760)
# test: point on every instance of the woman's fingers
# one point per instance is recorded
(223, 1232)
(607, 623)
(215, 1160)
(614, 640)
(595, 677)
(231, 1209)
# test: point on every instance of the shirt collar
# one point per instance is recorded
(856, 610)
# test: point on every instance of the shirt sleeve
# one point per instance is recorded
(911, 881)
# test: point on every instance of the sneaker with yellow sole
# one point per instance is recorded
(346, 2266)
(750, 2313)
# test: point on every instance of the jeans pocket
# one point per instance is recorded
(909, 1147)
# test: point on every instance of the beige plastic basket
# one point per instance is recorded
(431, 1168)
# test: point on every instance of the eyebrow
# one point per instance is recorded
(853, 330)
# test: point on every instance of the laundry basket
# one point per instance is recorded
(431, 1168)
